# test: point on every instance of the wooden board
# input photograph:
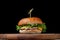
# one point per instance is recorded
(30, 36)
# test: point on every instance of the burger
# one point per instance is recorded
(31, 25)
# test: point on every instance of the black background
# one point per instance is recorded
(48, 11)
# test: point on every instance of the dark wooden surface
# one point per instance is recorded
(30, 36)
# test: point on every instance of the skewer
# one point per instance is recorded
(30, 12)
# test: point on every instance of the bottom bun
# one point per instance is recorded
(30, 31)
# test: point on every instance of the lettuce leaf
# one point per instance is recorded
(18, 27)
(43, 26)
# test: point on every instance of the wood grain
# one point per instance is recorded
(30, 36)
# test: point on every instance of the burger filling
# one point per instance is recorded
(31, 27)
